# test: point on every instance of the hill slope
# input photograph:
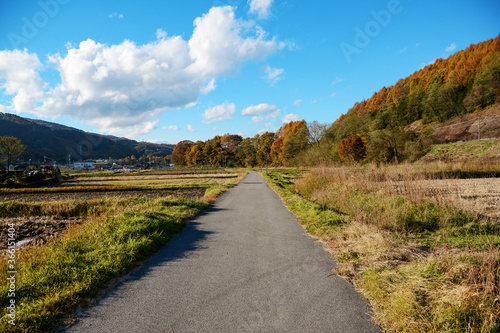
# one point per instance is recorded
(466, 81)
(57, 141)
(441, 102)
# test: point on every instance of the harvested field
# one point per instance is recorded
(480, 195)
(193, 193)
(35, 229)
(140, 179)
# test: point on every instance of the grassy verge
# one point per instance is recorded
(424, 266)
(53, 279)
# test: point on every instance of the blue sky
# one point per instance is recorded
(165, 71)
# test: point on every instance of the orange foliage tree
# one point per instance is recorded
(352, 149)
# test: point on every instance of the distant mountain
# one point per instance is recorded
(57, 141)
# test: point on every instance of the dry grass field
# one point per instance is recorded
(480, 195)
(194, 193)
(421, 242)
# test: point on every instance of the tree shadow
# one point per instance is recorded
(183, 245)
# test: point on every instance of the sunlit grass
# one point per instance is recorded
(425, 265)
(116, 234)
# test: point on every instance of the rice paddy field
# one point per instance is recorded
(67, 241)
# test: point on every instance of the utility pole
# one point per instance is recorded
(478, 128)
(267, 170)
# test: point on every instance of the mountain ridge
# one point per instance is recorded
(54, 141)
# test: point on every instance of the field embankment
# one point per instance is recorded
(485, 152)
(64, 250)
(426, 261)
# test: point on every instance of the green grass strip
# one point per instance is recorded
(52, 280)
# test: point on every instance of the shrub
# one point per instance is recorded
(352, 149)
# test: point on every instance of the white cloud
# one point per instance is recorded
(215, 129)
(272, 74)
(290, 117)
(123, 89)
(258, 110)
(450, 48)
(297, 102)
(219, 45)
(264, 130)
(257, 119)
(210, 86)
(273, 114)
(115, 14)
(160, 34)
(218, 113)
(122, 86)
(403, 50)
(19, 71)
(191, 128)
(171, 128)
(156, 141)
(260, 7)
(334, 94)
(135, 130)
(314, 102)
(337, 80)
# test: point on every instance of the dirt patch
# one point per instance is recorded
(34, 230)
(194, 193)
(465, 128)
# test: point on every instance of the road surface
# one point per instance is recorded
(246, 265)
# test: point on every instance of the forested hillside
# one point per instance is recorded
(57, 142)
(395, 124)
(468, 80)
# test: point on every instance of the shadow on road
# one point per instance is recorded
(184, 244)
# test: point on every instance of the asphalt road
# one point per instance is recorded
(246, 265)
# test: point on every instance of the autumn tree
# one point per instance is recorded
(263, 144)
(244, 153)
(194, 155)
(387, 145)
(486, 88)
(11, 149)
(276, 154)
(289, 144)
(230, 141)
(295, 143)
(352, 149)
(180, 150)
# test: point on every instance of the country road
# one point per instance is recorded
(246, 265)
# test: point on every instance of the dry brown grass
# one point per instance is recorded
(437, 182)
(419, 244)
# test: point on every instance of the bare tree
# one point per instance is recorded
(11, 149)
(316, 131)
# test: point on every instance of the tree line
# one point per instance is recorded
(374, 130)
